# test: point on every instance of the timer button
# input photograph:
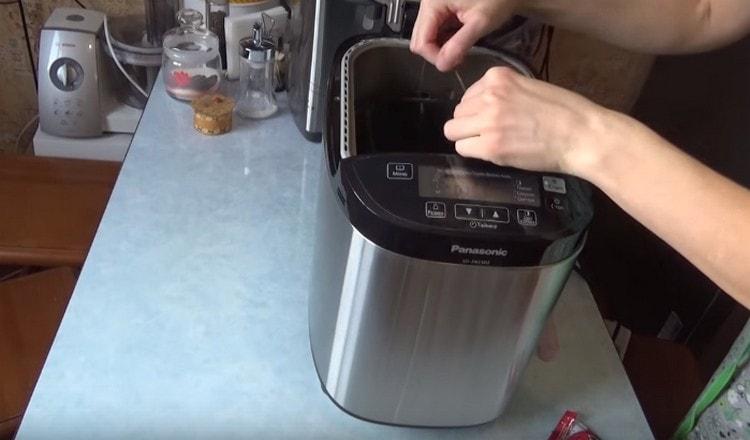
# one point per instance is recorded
(526, 217)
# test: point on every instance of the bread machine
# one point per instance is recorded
(434, 274)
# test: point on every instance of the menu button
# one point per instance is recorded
(400, 171)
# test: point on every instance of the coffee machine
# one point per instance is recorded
(434, 274)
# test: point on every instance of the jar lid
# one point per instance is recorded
(189, 17)
(190, 42)
(257, 48)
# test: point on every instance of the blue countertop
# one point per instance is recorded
(189, 319)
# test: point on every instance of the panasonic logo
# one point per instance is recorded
(456, 249)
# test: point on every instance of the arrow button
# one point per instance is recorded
(468, 212)
(497, 214)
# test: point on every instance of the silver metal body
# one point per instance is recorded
(320, 26)
(313, 111)
(413, 342)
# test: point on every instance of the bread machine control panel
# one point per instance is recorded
(446, 191)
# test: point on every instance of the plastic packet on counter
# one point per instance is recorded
(570, 428)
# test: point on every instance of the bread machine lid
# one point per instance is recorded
(403, 186)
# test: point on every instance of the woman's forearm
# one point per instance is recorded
(703, 215)
(654, 26)
(513, 120)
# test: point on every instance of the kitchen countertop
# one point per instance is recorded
(189, 319)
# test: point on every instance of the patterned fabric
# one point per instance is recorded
(729, 416)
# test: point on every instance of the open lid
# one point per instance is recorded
(380, 68)
(402, 185)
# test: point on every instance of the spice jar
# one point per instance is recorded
(257, 76)
(191, 63)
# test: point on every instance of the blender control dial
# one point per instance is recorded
(66, 74)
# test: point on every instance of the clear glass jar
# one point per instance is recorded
(191, 63)
(257, 99)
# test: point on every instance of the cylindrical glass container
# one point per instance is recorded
(257, 76)
(191, 64)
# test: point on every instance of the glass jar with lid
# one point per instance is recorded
(191, 64)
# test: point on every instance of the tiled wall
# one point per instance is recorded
(18, 103)
(610, 76)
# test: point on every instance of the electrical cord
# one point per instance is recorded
(540, 41)
(22, 132)
(30, 53)
(7, 277)
(547, 54)
(130, 79)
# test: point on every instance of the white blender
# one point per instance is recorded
(87, 108)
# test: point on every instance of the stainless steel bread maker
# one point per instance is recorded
(434, 274)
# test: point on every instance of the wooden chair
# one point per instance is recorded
(50, 208)
(31, 308)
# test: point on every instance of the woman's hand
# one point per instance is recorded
(470, 19)
(513, 120)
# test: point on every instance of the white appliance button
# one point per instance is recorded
(554, 184)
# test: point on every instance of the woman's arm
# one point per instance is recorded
(656, 26)
(512, 120)
(700, 213)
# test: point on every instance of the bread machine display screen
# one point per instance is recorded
(463, 184)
